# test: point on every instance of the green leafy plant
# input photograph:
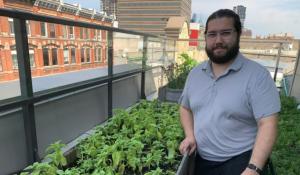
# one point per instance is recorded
(177, 73)
(56, 155)
(145, 140)
(286, 153)
(56, 161)
(135, 142)
(142, 140)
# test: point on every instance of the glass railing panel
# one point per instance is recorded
(62, 54)
(69, 116)
(9, 71)
(269, 52)
(128, 52)
(13, 154)
(155, 52)
(170, 51)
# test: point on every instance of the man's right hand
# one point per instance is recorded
(188, 144)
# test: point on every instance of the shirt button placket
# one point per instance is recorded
(214, 89)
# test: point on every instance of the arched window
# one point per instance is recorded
(85, 54)
(98, 54)
(50, 55)
(15, 58)
(69, 54)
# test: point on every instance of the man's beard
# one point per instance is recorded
(230, 54)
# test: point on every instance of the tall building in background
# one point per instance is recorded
(196, 18)
(151, 16)
(108, 6)
(241, 11)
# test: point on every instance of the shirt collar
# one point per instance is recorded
(235, 66)
(237, 63)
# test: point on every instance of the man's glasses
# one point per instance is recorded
(223, 33)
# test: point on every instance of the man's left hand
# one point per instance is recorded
(248, 171)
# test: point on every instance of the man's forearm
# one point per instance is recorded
(187, 121)
(265, 139)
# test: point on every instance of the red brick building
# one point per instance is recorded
(53, 48)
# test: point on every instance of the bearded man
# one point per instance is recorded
(229, 106)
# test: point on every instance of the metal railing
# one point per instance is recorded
(28, 98)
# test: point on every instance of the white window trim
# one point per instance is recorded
(98, 35)
(55, 33)
(71, 55)
(68, 51)
(46, 29)
(29, 28)
(11, 20)
(50, 56)
(71, 36)
(86, 53)
(65, 31)
(1, 66)
(96, 53)
(14, 52)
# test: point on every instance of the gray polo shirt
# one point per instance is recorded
(226, 109)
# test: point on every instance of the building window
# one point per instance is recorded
(85, 55)
(71, 32)
(28, 28)
(105, 35)
(11, 26)
(69, 55)
(82, 55)
(43, 29)
(50, 56)
(1, 68)
(15, 59)
(88, 54)
(97, 54)
(87, 33)
(68, 32)
(65, 31)
(46, 56)
(54, 56)
(66, 56)
(98, 35)
(31, 56)
(73, 58)
(52, 30)
(81, 33)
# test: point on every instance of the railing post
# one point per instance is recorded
(296, 68)
(277, 61)
(26, 89)
(110, 54)
(144, 60)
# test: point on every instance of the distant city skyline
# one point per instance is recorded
(264, 17)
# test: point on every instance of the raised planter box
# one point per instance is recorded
(151, 125)
(168, 94)
(186, 166)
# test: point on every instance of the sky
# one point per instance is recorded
(263, 17)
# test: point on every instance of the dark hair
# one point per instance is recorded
(226, 13)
